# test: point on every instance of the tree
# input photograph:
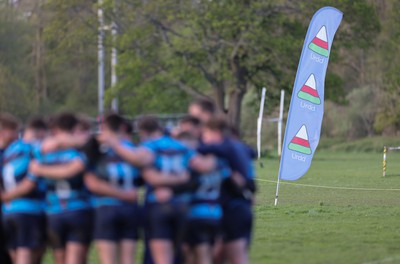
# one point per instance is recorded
(223, 49)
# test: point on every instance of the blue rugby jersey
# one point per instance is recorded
(68, 194)
(239, 157)
(205, 203)
(16, 160)
(117, 172)
(171, 157)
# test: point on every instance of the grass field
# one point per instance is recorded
(323, 225)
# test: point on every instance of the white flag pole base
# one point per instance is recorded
(278, 184)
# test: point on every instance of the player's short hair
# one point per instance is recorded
(205, 105)
(84, 122)
(8, 121)
(65, 121)
(189, 119)
(149, 124)
(217, 123)
(114, 122)
(128, 127)
(37, 123)
(183, 136)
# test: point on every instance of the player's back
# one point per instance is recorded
(205, 202)
(68, 194)
(16, 160)
(171, 157)
(114, 170)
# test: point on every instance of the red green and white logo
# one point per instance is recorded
(320, 43)
(309, 91)
(300, 142)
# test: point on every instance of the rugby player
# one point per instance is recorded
(69, 212)
(237, 191)
(114, 182)
(205, 211)
(24, 220)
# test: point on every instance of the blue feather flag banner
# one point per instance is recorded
(303, 127)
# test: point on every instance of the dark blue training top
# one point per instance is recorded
(16, 160)
(205, 203)
(117, 172)
(239, 157)
(171, 157)
(68, 194)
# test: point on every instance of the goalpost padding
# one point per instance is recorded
(385, 152)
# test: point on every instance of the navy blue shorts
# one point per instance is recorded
(166, 221)
(75, 226)
(116, 223)
(201, 232)
(24, 230)
(237, 221)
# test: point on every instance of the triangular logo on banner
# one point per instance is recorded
(309, 91)
(320, 43)
(300, 142)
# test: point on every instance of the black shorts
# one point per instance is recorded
(24, 230)
(166, 221)
(75, 226)
(201, 232)
(237, 221)
(115, 223)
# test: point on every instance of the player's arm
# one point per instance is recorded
(140, 157)
(101, 187)
(157, 178)
(23, 188)
(203, 164)
(57, 172)
(52, 144)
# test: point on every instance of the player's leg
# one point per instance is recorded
(127, 251)
(29, 237)
(188, 254)
(203, 254)
(237, 226)
(218, 251)
(75, 253)
(79, 235)
(236, 251)
(9, 228)
(162, 251)
(59, 255)
(204, 233)
(128, 219)
(24, 256)
(105, 234)
(160, 233)
(13, 255)
(107, 251)
(56, 233)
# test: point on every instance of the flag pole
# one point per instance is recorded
(259, 124)
(280, 123)
(278, 184)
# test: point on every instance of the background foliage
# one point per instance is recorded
(172, 51)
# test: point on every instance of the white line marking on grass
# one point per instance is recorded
(329, 187)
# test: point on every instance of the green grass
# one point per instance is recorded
(322, 225)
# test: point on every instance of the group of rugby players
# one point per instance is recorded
(64, 186)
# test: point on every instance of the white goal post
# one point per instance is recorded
(385, 152)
